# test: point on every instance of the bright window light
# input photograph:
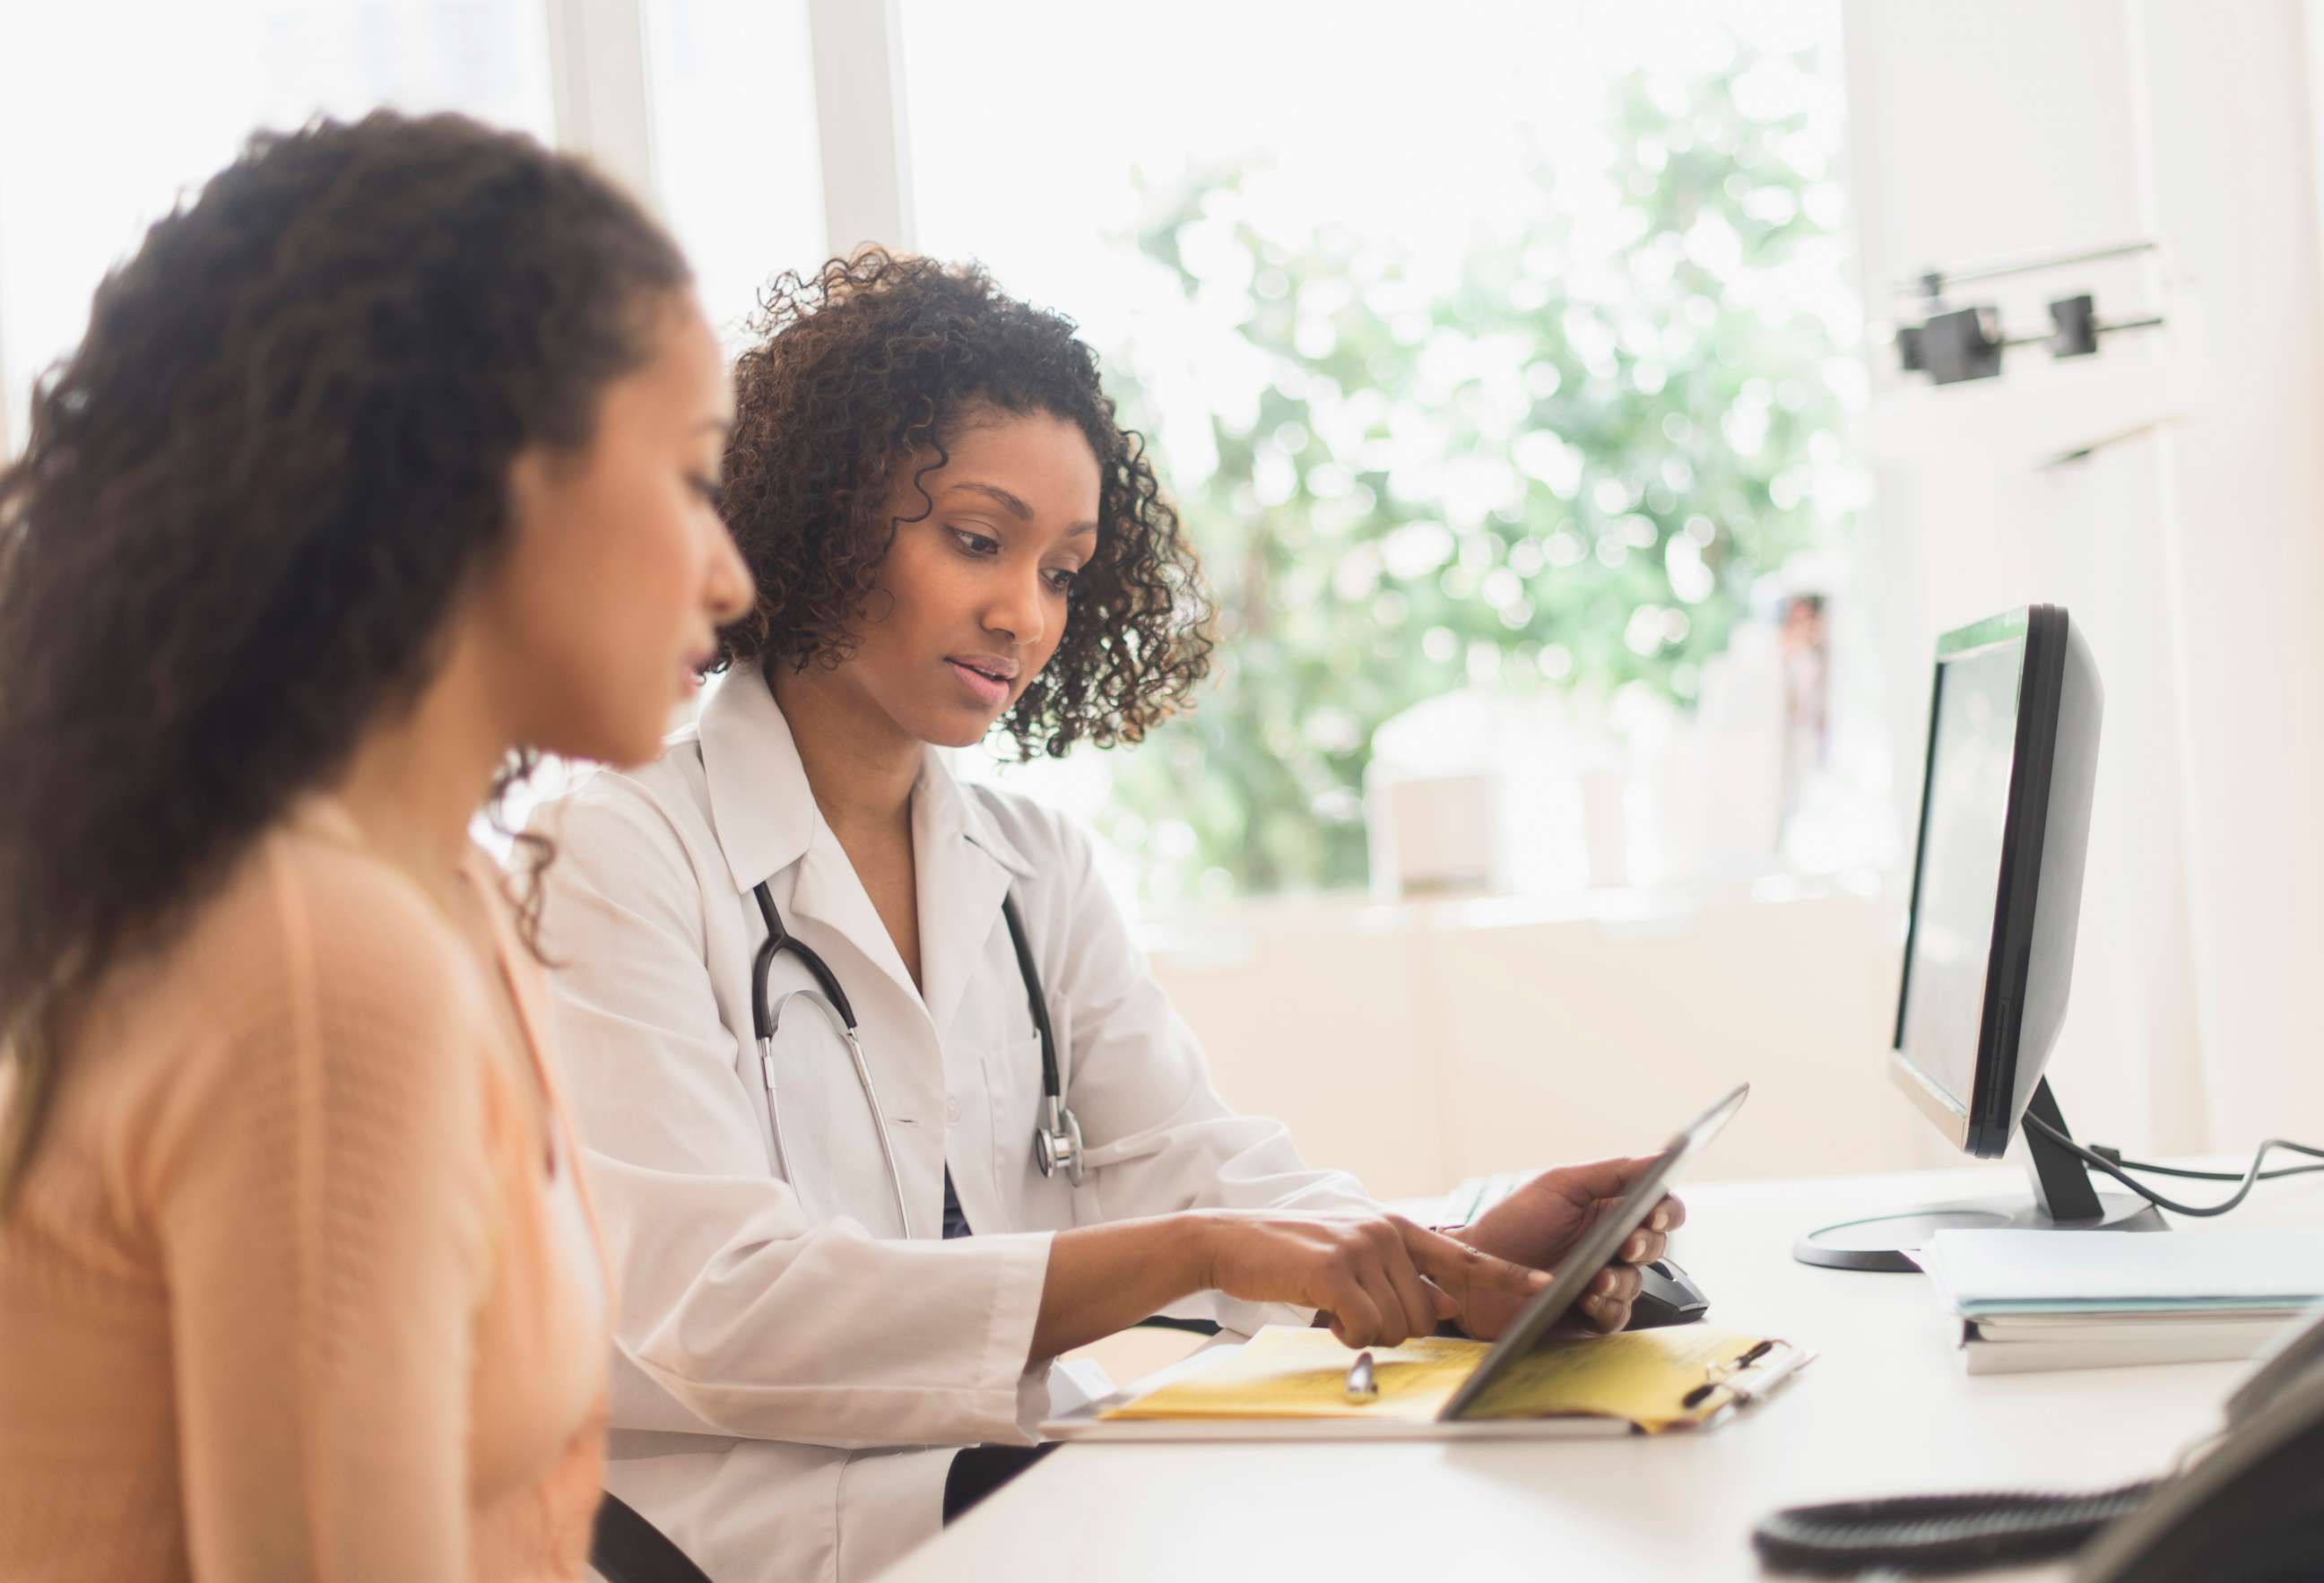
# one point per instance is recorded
(1502, 359)
(111, 113)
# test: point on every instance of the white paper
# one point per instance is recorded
(2002, 1271)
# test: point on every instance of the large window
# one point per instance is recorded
(110, 112)
(1506, 388)
(1502, 366)
(735, 150)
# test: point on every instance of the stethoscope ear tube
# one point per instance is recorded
(1052, 1087)
(1057, 1141)
(779, 939)
(762, 1028)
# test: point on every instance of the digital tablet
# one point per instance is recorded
(1593, 1253)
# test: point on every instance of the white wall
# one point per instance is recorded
(1417, 1044)
(2189, 544)
(2233, 191)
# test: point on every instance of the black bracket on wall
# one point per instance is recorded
(1950, 344)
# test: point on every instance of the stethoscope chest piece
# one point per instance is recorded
(1057, 1141)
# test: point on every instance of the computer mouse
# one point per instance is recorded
(1665, 1297)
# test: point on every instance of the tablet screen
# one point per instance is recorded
(1594, 1252)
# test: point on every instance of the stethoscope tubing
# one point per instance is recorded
(1057, 1136)
(834, 1015)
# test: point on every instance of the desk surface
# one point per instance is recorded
(1886, 1408)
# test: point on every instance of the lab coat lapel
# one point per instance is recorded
(758, 801)
(828, 891)
(767, 821)
(964, 869)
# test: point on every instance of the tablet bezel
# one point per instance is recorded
(1595, 1253)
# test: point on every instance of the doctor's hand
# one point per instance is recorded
(1542, 1221)
(1378, 1278)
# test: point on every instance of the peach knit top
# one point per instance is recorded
(303, 1281)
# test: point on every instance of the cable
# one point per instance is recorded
(2146, 1168)
(2113, 1167)
(1937, 1533)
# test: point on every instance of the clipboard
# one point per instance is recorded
(1730, 1387)
(1088, 1422)
(1753, 1379)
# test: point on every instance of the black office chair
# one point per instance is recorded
(625, 1547)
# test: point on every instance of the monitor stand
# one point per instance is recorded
(2062, 1200)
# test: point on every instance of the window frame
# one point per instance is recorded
(601, 84)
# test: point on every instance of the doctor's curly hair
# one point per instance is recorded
(861, 374)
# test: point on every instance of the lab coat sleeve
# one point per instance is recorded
(740, 1315)
(1158, 1135)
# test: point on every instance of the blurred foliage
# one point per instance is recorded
(1567, 469)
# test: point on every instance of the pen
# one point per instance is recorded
(1360, 1386)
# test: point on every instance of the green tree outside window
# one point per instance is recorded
(1566, 470)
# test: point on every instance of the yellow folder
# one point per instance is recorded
(1655, 1379)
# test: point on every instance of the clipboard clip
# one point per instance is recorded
(1758, 1371)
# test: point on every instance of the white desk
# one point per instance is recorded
(1886, 1408)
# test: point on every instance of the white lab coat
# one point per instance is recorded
(785, 1359)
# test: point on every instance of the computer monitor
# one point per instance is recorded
(1990, 937)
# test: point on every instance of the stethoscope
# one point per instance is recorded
(1057, 1136)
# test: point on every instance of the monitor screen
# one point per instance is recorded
(1972, 749)
(2006, 796)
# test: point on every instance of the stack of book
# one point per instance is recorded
(2056, 1300)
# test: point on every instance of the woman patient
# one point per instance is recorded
(388, 458)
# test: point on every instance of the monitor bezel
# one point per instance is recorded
(1980, 1122)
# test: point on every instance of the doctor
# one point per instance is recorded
(840, 1255)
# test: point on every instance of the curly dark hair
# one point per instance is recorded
(252, 496)
(867, 367)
